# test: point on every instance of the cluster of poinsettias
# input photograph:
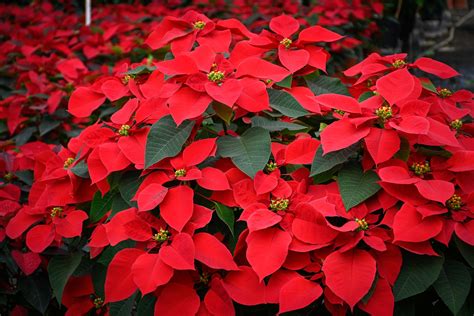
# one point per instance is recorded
(233, 174)
(46, 52)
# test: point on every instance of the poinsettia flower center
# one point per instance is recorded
(444, 93)
(204, 278)
(8, 176)
(216, 76)
(279, 204)
(98, 303)
(340, 112)
(399, 63)
(363, 225)
(420, 168)
(126, 79)
(180, 173)
(56, 212)
(271, 166)
(199, 25)
(68, 162)
(286, 42)
(456, 124)
(124, 130)
(384, 112)
(454, 203)
(161, 236)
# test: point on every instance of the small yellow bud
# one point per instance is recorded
(456, 124)
(454, 203)
(68, 162)
(123, 131)
(161, 236)
(180, 173)
(199, 25)
(444, 93)
(271, 166)
(363, 225)
(384, 112)
(279, 204)
(399, 63)
(56, 211)
(420, 168)
(286, 42)
(98, 303)
(216, 76)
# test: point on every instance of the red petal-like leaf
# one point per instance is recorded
(435, 190)
(119, 283)
(151, 197)
(84, 101)
(382, 144)
(435, 68)
(396, 86)
(266, 262)
(350, 274)
(244, 287)
(298, 293)
(341, 134)
(149, 272)
(177, 299)
(180, 254)
(177, 207)
(408, 225)
(213, 253)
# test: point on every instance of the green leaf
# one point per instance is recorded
(60, 268)
(324, 84)
(25, 176)
(81, 170)
(285, 103)
(467, 251)
(324, 163)
(453, 284)
(47, 125)
(418, 273)
(141, 69)
(249, 152)
(128, 187)
(22, 137)
(123, 308)
(428, 85)
(226, 214)
(366, 95)
(165, 139)
(100, 205)
(274, 126)
(223, 111)
(36, 291)
(98, 274)
(285, 83)
(146, 306)
(355, 185)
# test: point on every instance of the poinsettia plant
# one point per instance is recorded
(226, 173)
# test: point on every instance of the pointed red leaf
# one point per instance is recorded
(408, 225)
(382, 144)
(180, 254)
(435, 190)
(213, 253)
(396, 86)
(177, 299)
(350, 274)
(435, 67)
(301, 151)
(151, 197)
(261, 219)
(213, 179)
(177, 207)
(339, 102)
(84, 101)
(119, 283)
(298, 293)
(40, 237)
(149, 272)
(244, 287)
(341, 134)
(266, 262)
